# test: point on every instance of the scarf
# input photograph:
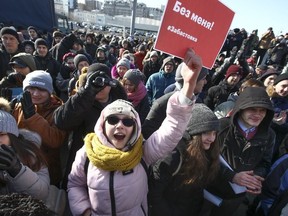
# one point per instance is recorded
(111, 159)
(138, 95)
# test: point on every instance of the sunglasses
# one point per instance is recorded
(113, 120)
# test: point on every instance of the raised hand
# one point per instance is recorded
(27, 105)
(190, 71)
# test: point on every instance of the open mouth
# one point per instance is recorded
(119, 136)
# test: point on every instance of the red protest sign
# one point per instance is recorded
(202, 25)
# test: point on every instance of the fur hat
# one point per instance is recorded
(40, 79)
(40, 41)
(23, 60)
(202, 120)
(10, 31)
(7, 121)
(124, 62)
(280, 78)
(135, 76)
(79, 58)
(233, 69)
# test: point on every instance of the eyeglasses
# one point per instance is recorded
(113, 120)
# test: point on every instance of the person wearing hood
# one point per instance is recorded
(23, 168)
(35, 111)
(177, 181)
(116, 180)
(158, 82)
(246, 144)
(151, 65)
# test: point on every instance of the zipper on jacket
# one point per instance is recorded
(143, 210)
(112, 196)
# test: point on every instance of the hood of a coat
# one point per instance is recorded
(254, 97)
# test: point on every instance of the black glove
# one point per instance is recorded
(9, 160)
(96, 81)
(27, 105)
(6, 93)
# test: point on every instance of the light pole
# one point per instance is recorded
(133, 15)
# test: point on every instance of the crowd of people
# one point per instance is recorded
(124, 129)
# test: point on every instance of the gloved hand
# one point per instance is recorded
(9, 160)
(27, 105)
(96, 82)
(6, 93)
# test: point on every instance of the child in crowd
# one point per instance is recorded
(177, 182)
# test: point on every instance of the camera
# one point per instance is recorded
(101, 82)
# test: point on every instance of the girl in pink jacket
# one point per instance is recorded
(115, 182)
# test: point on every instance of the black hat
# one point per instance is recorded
(269, 72)
(202, 120)
(79, 58)
(40, 41)
(10, 31)
(280, 78)
(99, 67)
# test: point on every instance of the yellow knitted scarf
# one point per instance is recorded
(111, 159)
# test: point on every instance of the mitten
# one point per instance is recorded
(27, 105)
(9, 160)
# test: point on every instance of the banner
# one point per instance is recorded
(200, 24)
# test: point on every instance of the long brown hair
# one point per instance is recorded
(200, 166)
(29, 154)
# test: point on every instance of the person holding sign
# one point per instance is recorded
(115, 182)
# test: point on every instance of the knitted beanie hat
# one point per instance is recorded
(179, 79)
(31, 136)
(124, 62)
(233, 69)
(79, 58)
(7, 121)
(23, 60)
(135, 76)
(202, 120)
(10, 31)
(40, 79)
(40, 41)
(281, 77)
